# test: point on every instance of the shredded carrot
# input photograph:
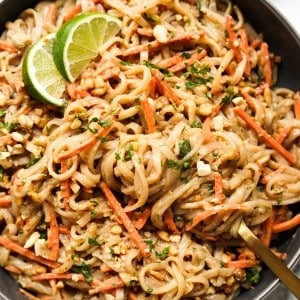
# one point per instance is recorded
(64, 230)
(202, 216)
(283, 134)
(152, 87)
(88, 144)
(15, 247)
(72, 12)
(145, 31)
(171, 61)
(59, 276)
(51, 13)
(108, 284)
(267, 70)
(245, 48)
(232, 37)
(266, 137)
(241, 264)
(28, 295)
(266, 237)
(13, 269)
(199, 218)
(169, 221)
(119, 212)
(76, 91)
(105, 268)
(154, 45)
(297, 105)
(53, 235)
(165, 89)
(148, 114)
(132, 296)
(287, 225)
(5, 200)
(218, 187)
(249, 100)
(142, 219)
(7, 46)
(65, 185)
(230, 70)
(206, 130)
(188, 62)
(269, 175)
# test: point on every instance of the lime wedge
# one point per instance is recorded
(78, 41)
(40, 75)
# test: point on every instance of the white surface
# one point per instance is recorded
(290, 9)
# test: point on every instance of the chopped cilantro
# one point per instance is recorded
(228, 96)
(85, 270)
(117, 156)
(163, 254)
(252, 275)
(93, 242)
(150, 65)
(186, 55)
(196, 124)
(172, 164)
(150, 244)
(125, 63)
(33, 161)
(128, 153)
(184, 148)
(151, 18)
(2, 113)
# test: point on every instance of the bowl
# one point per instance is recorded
(284, 42)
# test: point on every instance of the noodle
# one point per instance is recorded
(111, 199)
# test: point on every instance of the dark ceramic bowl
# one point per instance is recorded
(284, 42)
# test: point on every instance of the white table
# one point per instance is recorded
(290, 9)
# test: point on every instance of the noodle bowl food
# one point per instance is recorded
(136, 187)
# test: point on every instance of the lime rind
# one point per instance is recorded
(78, 41)
(40, 75)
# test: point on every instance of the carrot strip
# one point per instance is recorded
(169, 221)
(171, 61)
(59, 276)
(266, 137)
(142, 219)
(64, 230)
(241, 264)
(165, 89)
(206, 130)
(108, 284)
(267, 70)
(13, 269)
(7, 46)
(119, 212)
(266, 237)
(105, 268)
(218, 187)
(245, 48)
(202, 216)
(199, 218)
(188, 62)
(152, 87)
(88, 144)
(65, 185)
(283, 134)
(268, 176)
(53, 236)
(15, 247)
(148, 114)
(132, 296)
(249, 100)
(154, 45)
(51, 13)
(5, 200)
(232, 37)
(287, 225)
(297, 105)
(72, 12)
